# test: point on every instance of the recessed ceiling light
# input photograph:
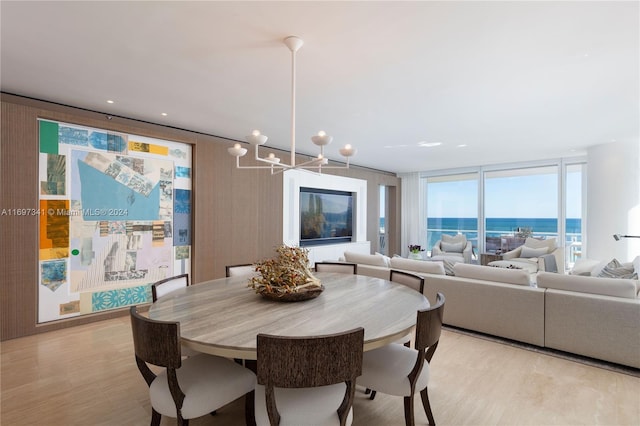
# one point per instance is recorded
(109, 101)
(164, 114)
(462, 145)
(429, 144)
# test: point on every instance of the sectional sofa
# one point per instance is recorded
(589, 316)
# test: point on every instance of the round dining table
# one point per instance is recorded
(223, 316)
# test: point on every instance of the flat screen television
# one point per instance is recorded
(326, 216)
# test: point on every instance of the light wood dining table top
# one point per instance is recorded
(224, 316)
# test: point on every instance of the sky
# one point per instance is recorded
(533, 196)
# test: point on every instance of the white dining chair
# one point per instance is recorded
(397, 370)
(245, 269)
(167, 285)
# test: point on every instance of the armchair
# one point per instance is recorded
(454, 248)
(543, 253)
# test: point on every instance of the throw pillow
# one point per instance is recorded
(528, 252)
(386, 258)
(550, 243)
(459, 238)
(615, 269)
(583, 267)
(452, 247)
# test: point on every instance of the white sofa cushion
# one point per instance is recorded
(422, 266)
(605, 286)
(365, 259)
(488, 273)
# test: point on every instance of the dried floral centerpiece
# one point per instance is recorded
(286, 277)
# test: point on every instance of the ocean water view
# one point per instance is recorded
(495, 227)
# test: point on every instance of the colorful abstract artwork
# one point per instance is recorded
(111, 206)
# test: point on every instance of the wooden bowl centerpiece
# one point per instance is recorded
(286, 277)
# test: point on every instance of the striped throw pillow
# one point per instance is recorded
(615, 269)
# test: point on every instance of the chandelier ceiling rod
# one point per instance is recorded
(321, 139)
(293, 43)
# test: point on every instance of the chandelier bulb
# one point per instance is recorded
(256, 133)
(321, 133)
(348, 151)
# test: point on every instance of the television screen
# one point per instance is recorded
(326, 216)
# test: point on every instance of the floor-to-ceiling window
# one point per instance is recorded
(382, 221)
(573, 189)
(498, 206)
(520, 203)
(452, 207)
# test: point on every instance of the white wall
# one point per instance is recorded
(292, 181)
(613, 200)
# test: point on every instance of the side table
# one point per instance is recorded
(486, 258)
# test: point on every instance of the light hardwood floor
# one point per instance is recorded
(86, 375)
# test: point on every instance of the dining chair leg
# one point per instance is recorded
(155, 418)
(424, 395)
(373, 395)
(408, 411)
(367, 391)
(250, 409)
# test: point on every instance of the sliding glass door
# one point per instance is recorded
(452, 207)
(498, 207)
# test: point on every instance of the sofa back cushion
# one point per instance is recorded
(422, 266)
(594, 285)
(365, 259)
(489, 273)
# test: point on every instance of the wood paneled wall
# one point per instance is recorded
(237, 214)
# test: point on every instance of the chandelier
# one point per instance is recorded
(321, 139)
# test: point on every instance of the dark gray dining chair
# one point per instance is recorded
(408, 279)
(308, 380)
(341, 267)
(185, 388)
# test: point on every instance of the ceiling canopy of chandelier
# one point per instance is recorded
(321, 139)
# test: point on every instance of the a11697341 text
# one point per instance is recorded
(113, 212)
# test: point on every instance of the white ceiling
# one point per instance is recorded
(512, 81)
